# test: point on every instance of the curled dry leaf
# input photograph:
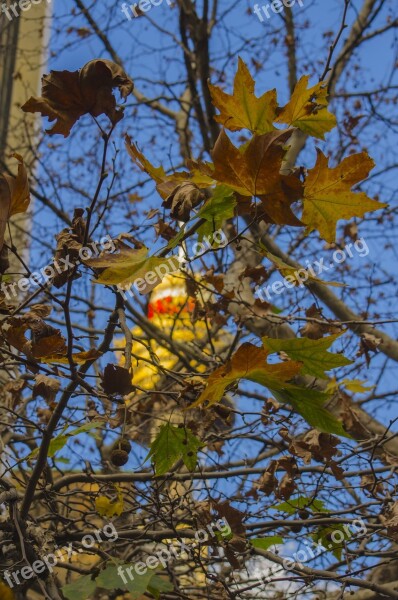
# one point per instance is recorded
(68, 95)
(14, 196)
(183, 199)
(46, 387)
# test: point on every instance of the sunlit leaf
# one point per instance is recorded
(307, 109)
(242, 109)
(328, 196)
(312, 353)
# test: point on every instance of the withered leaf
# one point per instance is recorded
(116, 380)
(14, 195)
(46, 387)
(68, 95)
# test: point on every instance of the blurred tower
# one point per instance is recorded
(23, 41)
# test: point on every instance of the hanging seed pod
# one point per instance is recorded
(119, 457)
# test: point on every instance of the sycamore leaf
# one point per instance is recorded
(312, 353)
(172, 444)
(307, 109)
(81, 589)
(79, 358)
(242, 109)
(254, 170)
(14, 195)
(328, 196)
(165, 184)
(59, 441)
(106, 508)
(219, 208)
(356, 386)
(130, 265)
(326, 536)
(137, 585)
(68, 95)
(300, 503)
(292, 274)
(310, 404)
(265, 543)
(249, 362)
(159, 585)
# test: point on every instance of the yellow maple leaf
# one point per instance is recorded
(328, 196)
(107, 508)
(249, 362)
(242, 110)
(307, 109)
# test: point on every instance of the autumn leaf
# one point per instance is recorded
(242, 109)
(254, 170)
(68, 95)
(307, 109)
(106, 508)
(328, 196)
(312, 353)
(117, 380)
(167, 184)
(292, 274)
(14, 195)
(172, 444)
(249, 362)
(130, 265)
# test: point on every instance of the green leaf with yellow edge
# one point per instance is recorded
(307, 109)
(219, 208)
(328, 196)
(267, 542)
(130, 266)
(242, 109)
(249, 362)
(312, 353)
(106, 508)
(172, 444)
(288, 271)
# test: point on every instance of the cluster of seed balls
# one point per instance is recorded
(120, 452)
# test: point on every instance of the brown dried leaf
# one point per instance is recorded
(117, 380)
(183, 199)
(14, 195)
(67, 96)
(46, 387)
